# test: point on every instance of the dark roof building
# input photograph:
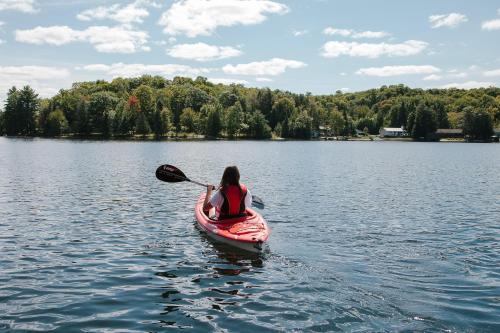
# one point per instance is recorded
(450, 133)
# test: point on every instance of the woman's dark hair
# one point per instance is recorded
(231, 176)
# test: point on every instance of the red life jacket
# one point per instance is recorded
(234, 201)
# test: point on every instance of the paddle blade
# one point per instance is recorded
(257, 202)
(170, 174)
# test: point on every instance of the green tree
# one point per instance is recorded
(424, 124)
(455, 119)
(264, 101)
(161, 121)
(367, 125)
(176, 96)
(234, 120)
(21, 108)
(477, 124)
(213, 121)
(196, 98)
(398, 114)
(258, 127)
(142, 125)
(189, 120)
(439, 109)
(101, 111)
(227, 99)
(337, 122)
(282, 110)
(2, 123)
(57, 123)
(145, 97)
(81, 123)
(300, 125)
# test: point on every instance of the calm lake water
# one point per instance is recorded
(366, 236)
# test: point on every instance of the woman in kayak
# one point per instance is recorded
(231, 199)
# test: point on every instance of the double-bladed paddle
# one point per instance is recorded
(171, 174)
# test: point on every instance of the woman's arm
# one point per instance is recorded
(206, 204)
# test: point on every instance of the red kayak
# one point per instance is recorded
(248, 233)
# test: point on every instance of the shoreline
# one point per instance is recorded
(151, 138)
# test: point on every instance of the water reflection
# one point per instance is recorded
(219, 281)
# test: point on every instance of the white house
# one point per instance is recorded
(392, 132)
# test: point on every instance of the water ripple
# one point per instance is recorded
(366, 237)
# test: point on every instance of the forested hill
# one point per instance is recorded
(153, 105)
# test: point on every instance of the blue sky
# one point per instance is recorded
(317, 46)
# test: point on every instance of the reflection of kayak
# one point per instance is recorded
(248, 233)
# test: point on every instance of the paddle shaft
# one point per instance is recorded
(189, 180)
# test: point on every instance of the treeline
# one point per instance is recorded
(153, 105)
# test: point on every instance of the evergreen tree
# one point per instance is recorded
(265, 102)
(161, 121)
(2, 123)
(21, 108)
(478, 124)
(142, 125)
(214, 121)
(424, 124)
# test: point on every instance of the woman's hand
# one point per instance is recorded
(210, 188)
(206, 203)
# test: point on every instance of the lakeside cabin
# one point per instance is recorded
(496, 135)
(392, 132)
(450, 133)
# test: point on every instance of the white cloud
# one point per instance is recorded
(370, 34)
(227, 81)
(451, 20)
(263, 79)
(134, 12)
(25, 6)
(340, 32)
(33, 72)
(203, 52)
(491, 25)
(355, 34)
(45, 80)
(458, 75)
(55, 35)
(495, 72)
(299, 33)
(202, 17)
(468, 85)
(335, 49)
(433, 77)
(133, 70)
(104, 39)
(271, 67)
(398, 70)
(451, 74)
